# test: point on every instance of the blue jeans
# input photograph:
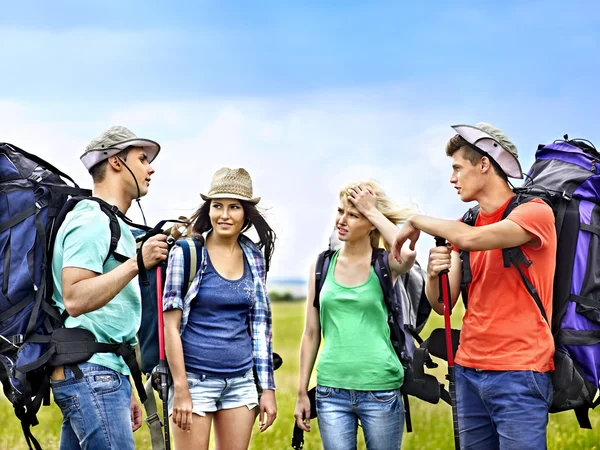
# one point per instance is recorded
(505, 410)
(96, 409)
(381, 416)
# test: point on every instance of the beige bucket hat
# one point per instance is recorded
(111, 142)
(231, 183)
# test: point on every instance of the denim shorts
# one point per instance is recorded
(211, 394)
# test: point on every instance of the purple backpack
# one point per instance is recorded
(566, 174)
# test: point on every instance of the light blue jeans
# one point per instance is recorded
(506, 410)
(381, 415)
(96, 409)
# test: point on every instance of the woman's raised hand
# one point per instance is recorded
(363, 198)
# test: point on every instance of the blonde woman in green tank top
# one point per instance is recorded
(359, 375)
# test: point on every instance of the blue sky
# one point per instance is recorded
(306, 95)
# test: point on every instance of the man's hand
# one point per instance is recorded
(439, 259)
(268, 407)
(302, 412)
(363, 198)
(407, 232)
(154, 251)
(136, 414)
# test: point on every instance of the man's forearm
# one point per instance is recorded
(93, 293)
(386, 227)
(453, 231)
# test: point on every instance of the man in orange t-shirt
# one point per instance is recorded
(503, 385)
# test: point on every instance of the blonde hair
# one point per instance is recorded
(391, 210)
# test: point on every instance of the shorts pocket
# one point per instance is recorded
(323, 391)
(104, 382)
(384, 396)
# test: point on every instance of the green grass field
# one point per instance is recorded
(432, 424)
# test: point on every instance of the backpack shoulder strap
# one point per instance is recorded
(192, 251)
(514, 256)
(469, 218)
(380, 263)
(321, 268)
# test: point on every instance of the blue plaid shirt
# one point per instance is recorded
(260, 313)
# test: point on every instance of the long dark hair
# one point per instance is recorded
(252, 218)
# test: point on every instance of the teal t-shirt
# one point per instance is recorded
(357, 351)
(83, 241)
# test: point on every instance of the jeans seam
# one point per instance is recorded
(99, 404)
(390, 400)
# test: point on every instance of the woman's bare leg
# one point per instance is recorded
(197, 438)
(233, 428)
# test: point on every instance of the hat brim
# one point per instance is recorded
(488, 145)
(96, 155)
(254, 200)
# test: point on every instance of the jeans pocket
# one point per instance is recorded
(384, 396)
(104, 382)
(541, 385)
(66, 404)
(323, 391)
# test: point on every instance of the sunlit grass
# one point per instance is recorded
(432, 424)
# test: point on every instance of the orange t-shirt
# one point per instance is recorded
(503, 328)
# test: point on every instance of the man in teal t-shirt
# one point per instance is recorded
(100, 294)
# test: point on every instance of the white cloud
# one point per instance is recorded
(299, 151)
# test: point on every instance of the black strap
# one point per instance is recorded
(16, 308)
(591, 302)
(18, 218)
(582, 414)
(41, 291)
(532, 291)
(577, 337)
(407, 418)
(7, 347)
(589, 228)
(68, 190)
(321, 268)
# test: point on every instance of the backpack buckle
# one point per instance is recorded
(41, 204)
(568, 197)
(17, 339)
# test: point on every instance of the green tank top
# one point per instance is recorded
(357, 352)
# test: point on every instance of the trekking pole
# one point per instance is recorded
(163, 368)
(446, 300)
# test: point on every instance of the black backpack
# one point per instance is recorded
(34, 200)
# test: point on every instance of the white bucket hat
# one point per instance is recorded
(493, 143)
(111, 142)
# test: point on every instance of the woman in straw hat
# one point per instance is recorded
(359, 375)
(221, 329)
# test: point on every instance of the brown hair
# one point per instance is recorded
(98, 172)
(200, 221)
